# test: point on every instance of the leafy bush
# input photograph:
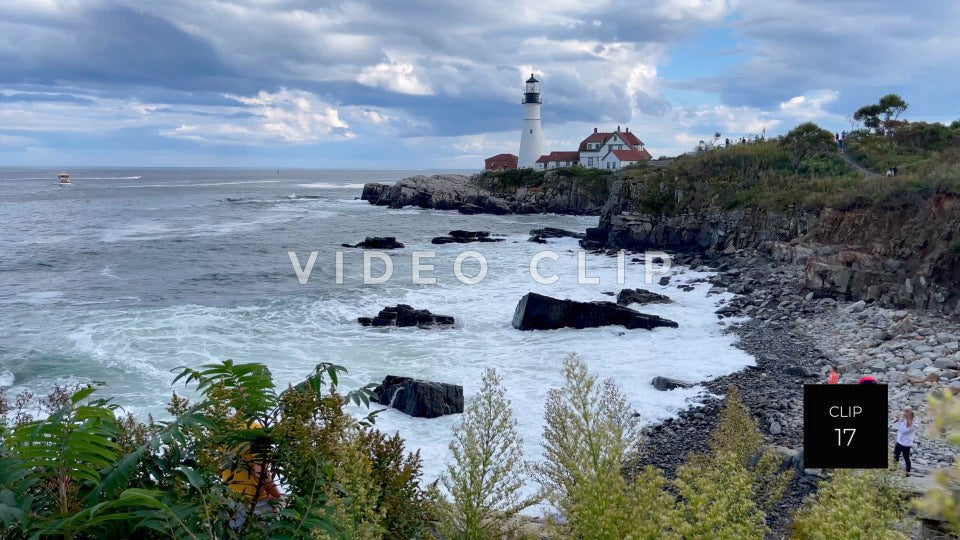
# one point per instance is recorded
(805, 141)
(508, 181)
(944, 499)
(211, 470)
(589, 431)
(737, 435)
(487, 476)
(854, 504)
(716, 499)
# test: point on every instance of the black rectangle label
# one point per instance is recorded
(845, 426)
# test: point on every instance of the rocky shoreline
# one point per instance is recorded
(477, 195)
(795, 338)
(871, 291)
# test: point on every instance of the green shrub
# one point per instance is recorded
(487, 476)
(715, 499)
(943, 500)
(737, 435)
(588, 434)
(854, 504)
(81, 473)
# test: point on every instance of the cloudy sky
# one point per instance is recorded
(433, 84)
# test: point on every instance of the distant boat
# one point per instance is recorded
(64, 179)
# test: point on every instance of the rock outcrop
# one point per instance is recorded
(479, 195)
(666, 383)
(404, 315)
(377, 242)
(465, 237)
(641, 296)
(555, 232)
(903, 256)
(418, 398)
(539, 312)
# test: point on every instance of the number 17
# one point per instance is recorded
(841, 433)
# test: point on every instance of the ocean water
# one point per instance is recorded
(130, 273)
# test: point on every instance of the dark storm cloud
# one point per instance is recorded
(117, 45)
(420, 68)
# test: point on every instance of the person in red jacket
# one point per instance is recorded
(834, 376)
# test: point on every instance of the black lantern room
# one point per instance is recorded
(532, 91)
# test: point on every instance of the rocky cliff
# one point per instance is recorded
(477, 194)
(900, 256)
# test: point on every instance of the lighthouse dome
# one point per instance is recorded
(531, 91)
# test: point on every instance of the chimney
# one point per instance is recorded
(618, 128)
(628, 130)
(594, 130)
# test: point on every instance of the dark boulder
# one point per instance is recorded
(470, 209)
(372, 192)
(418, 398)
(554, 232)
(464, 237)
(539, 312)
(666, 383)
(641, 296)
(377, 242)
(404, 315)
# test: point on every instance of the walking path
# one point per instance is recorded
(853, 163)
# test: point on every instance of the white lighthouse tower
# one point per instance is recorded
(531, 141)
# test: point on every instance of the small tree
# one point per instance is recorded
(486, 478)
(807, 140)
(715, 499)
(892, 106)
(737, 434)
(854, 504)
(588, 432)
(870, 116)
(880, 116)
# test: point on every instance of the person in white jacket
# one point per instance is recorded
(906, 435)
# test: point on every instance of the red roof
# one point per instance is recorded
(631, 155)
(502, 157)
(601, 137)
(594, 137)
(560, 156)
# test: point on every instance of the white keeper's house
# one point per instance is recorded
(600, 150)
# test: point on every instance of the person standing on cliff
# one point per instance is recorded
(834, 377)
(906, 434)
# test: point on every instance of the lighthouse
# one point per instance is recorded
(531, 143)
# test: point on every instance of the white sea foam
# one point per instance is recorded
(199, 184)
(107, 177)
(326, 185)
(107, 272)
(6, 378)
(37, 298)
(292, 335)
(151, 230)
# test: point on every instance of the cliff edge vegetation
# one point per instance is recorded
(805, 170)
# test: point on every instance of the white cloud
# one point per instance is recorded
(397, 77)
(699, 10)
(295, 116)
(809, 106)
